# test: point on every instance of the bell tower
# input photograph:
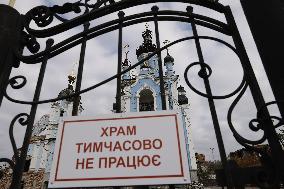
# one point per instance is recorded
(141, 92)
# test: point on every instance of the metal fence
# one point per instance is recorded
(17, 35)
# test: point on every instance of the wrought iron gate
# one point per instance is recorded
(17, 34)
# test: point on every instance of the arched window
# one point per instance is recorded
(146, 100)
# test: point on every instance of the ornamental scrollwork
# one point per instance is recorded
(23, 120)
(43, 15)
(18, 82)
(30, 42)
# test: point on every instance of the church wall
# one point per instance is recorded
(54, 113)
(50, 156)
(185, 128)
(35, 156)
(189, 140)
(43, 158)
(30, 150)
(141, 84)
(40, 151)
(125, 103)
(169, 95)
(153, 63)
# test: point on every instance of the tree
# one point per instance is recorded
(206, 172)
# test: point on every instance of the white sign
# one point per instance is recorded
(144, 148)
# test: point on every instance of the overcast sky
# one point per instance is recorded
(100, 63)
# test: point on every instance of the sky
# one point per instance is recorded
(101, 60)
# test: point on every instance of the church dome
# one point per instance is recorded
(147, 45)
(66, 92)
(182, 99)
(168, 58)
(69, 90)
(125, 63)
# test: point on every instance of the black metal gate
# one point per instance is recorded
(16, 34)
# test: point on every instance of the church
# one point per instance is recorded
(140, 92)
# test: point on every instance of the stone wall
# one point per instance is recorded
(32, 179)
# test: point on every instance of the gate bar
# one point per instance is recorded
(203, 74)
(119, 62)
(263, 113)
(20, 160)
(76, 102)
(161, 73)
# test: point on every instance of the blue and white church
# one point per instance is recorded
(140, 92)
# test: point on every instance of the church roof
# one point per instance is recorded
(40, 125)
(69, 90)
(65, 92)
(168, 58)
(182, 99)
(125, 63)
